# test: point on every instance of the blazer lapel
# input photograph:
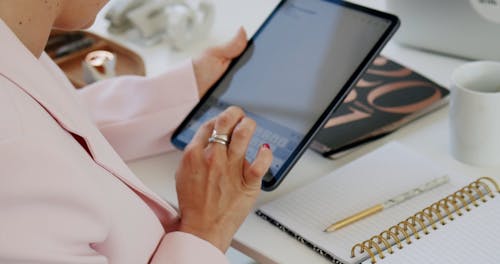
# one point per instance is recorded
(20, 66)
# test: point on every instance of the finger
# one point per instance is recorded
(200, 139)
(240, 139)
(234, 47)
(225, 124)
(254, 173)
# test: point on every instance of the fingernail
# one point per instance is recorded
(265, 145)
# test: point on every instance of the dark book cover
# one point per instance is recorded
(388, 96)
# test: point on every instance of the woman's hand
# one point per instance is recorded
(216, 185)
(210, 66)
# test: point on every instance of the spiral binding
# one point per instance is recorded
(436, 213)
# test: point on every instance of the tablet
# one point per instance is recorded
(295, 71)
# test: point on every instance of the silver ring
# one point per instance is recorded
(223, 137)
(219, 138)
(216, 140)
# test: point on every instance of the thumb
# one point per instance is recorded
(235, 46)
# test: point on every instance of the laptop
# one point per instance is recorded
(464, 28)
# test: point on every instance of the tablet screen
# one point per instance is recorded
(295, 71)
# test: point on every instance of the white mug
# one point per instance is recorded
(475, 113)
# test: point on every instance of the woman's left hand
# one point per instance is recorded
(210, 66)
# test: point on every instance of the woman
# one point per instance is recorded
(66, 196)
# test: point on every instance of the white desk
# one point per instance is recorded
(257, 238)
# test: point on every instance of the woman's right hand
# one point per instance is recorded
(216, 186)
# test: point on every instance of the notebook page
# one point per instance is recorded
(470, 238)
(374, 178)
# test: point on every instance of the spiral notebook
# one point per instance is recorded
(471, 236)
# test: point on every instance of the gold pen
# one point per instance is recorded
(387, 204)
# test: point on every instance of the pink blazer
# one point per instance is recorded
(66, 196)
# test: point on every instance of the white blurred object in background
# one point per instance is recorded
(463, 28)
(178, 22)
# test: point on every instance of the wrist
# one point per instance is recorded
(209, 234)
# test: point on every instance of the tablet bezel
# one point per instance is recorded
(337, 101)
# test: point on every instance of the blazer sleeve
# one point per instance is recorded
(180, 247)
(137, 115)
